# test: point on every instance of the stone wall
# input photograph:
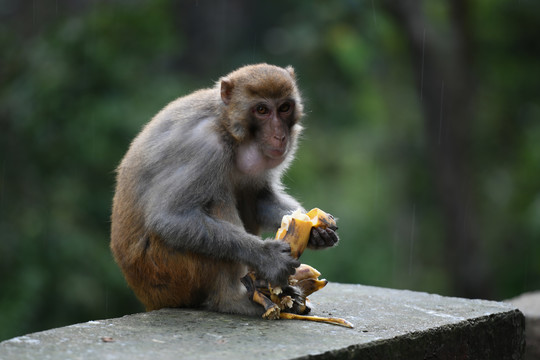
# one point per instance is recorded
(389, 324)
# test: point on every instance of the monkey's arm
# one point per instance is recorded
(271, 207)
(194, 230)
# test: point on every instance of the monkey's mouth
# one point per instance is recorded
(275, 153)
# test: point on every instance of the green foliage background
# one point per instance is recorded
(77, 82)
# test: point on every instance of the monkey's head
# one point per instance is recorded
(263, 106)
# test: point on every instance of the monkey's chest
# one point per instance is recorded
(246, 206)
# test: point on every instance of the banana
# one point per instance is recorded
(321, 219)
(285, 303)
(329, 320)
(304, 271)
(296, 228)
(309, 286)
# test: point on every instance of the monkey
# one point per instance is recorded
(200, 183)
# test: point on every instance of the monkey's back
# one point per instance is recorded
(159, 275)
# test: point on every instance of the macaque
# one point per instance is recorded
(200, 183)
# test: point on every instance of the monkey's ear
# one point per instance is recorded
(290, 70)
(226, 90)
(238, 131)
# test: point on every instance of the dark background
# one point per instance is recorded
(422, 136)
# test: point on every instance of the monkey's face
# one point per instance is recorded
(262, 108)
(271, 124)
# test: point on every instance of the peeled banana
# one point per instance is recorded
(288, 303)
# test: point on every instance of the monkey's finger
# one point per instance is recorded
(332, 225)
(316, 237)
(332, 237)
(294, 264)
(323, 238)
(286, 249)
(329, 237)
(290, 267)
(316, 240)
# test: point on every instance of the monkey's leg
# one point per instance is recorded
(229, 295)
(271, 310)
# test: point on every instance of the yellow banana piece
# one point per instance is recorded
(295, 230)
(329, 320)
(321, 219)
(309, 286)
(304, 271)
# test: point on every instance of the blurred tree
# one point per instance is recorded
(443, 64)
(70, 94)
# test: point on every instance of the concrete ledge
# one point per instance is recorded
(529, 305)
(389, 324)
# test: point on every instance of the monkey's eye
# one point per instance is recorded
(261, 109)
(285, 107)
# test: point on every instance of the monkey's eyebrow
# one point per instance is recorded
(289, 100)
(274, 91)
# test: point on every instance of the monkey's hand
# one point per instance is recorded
(321, 238)
(276, 264)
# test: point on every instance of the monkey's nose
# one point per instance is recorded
(280, 138)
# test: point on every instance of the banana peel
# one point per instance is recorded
(285, 303)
